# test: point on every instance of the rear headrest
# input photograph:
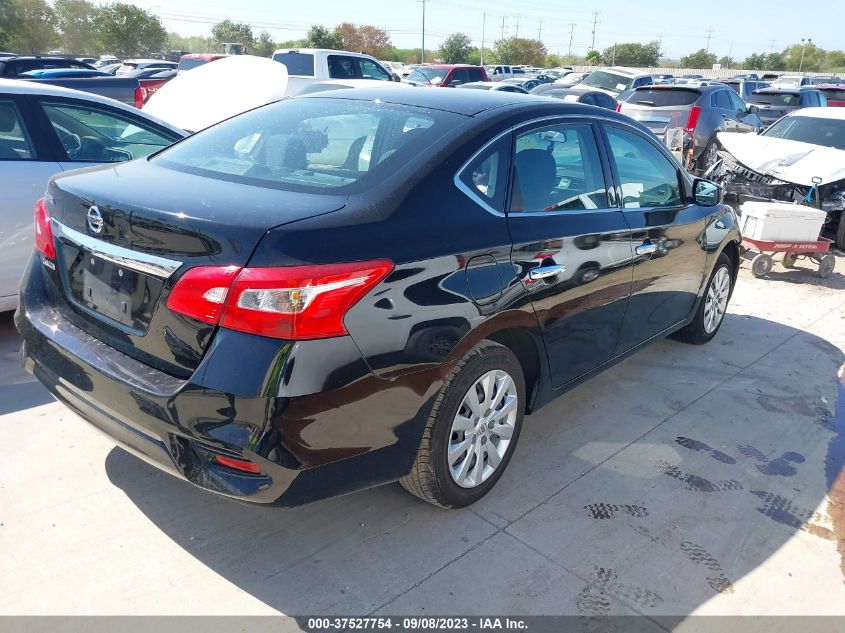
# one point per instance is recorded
(7, 117)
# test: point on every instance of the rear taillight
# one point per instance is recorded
(692, 121)
(291, 302)
(201, 292)
(44, 231)
(619, 107)
(140, 96)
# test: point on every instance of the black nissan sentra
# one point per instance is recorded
(342, 290)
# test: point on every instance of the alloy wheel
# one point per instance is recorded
(716, 301)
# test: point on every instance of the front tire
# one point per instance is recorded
(472, 430)
(713, 306)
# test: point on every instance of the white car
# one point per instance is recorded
(806, 149)
(83, 130)
(308, 65)
(397, 68)
(615, 80)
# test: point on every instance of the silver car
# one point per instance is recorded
(45, 130)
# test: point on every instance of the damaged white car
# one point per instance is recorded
(800, 158)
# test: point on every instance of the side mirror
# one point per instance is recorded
(455, 82)
(706, 193)
(753, 109)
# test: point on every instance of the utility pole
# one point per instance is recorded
(571, 33)
(709, 35)
(540, 30)
(772, 46)
(613, 63)
(803, 50)
(596, 13)
(517, 26)
(422, 52)
(503, 27)
(483, 26)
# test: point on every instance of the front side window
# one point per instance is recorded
(737, 103)
(648, 178)
(371, 70)
(14, 144)
(341, 67)
(98, 135)
(428, 75)
(311, 144)
(557, 168)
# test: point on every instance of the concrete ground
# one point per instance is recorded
(684, 480)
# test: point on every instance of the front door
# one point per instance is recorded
(571, 244)
(667, 235)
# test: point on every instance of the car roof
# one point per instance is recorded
(148, 61)
(785, 90)
(464, 102)
(450, 66)
(837, 114)
(622, 70)
(25, 87)
(208, 56)
(831, 86)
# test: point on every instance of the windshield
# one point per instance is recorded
(427, 75)
(775, 99)
(817, 131)
(607, 81)
(311, 144)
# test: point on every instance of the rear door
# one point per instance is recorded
(571, 243)
(669, 261)
(24, 172)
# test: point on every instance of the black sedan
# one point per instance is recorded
(362, 286)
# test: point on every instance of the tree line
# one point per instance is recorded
(80, 27)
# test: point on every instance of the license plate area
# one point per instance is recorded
(107, 289)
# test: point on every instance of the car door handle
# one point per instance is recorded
(646, 248)
(544, 272)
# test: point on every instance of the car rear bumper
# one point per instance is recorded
(327, 428)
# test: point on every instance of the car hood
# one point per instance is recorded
(790, 161)
(211, 93)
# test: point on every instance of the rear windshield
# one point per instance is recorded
(818, 131)
(607, 81)
(661, 98)
(299, 64)
(834, 94)
(187, 64)
(312, 144)
(775, 99)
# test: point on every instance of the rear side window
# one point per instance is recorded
(558, 168)
(486, 176)
(721, 99)
(648, 178)
(102, 136)
(14, 144)
(298, 64)
(311, 144)
(660, 98)
(341, 67)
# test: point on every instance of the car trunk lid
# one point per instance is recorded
(124, 234)
(661, 109)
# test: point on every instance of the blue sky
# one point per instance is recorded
(738, 27)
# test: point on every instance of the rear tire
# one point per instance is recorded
(717, 294)
(489, 434)
(789, 260)
(761, 265)
(708, 156)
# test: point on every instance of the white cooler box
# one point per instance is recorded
(781, 221)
